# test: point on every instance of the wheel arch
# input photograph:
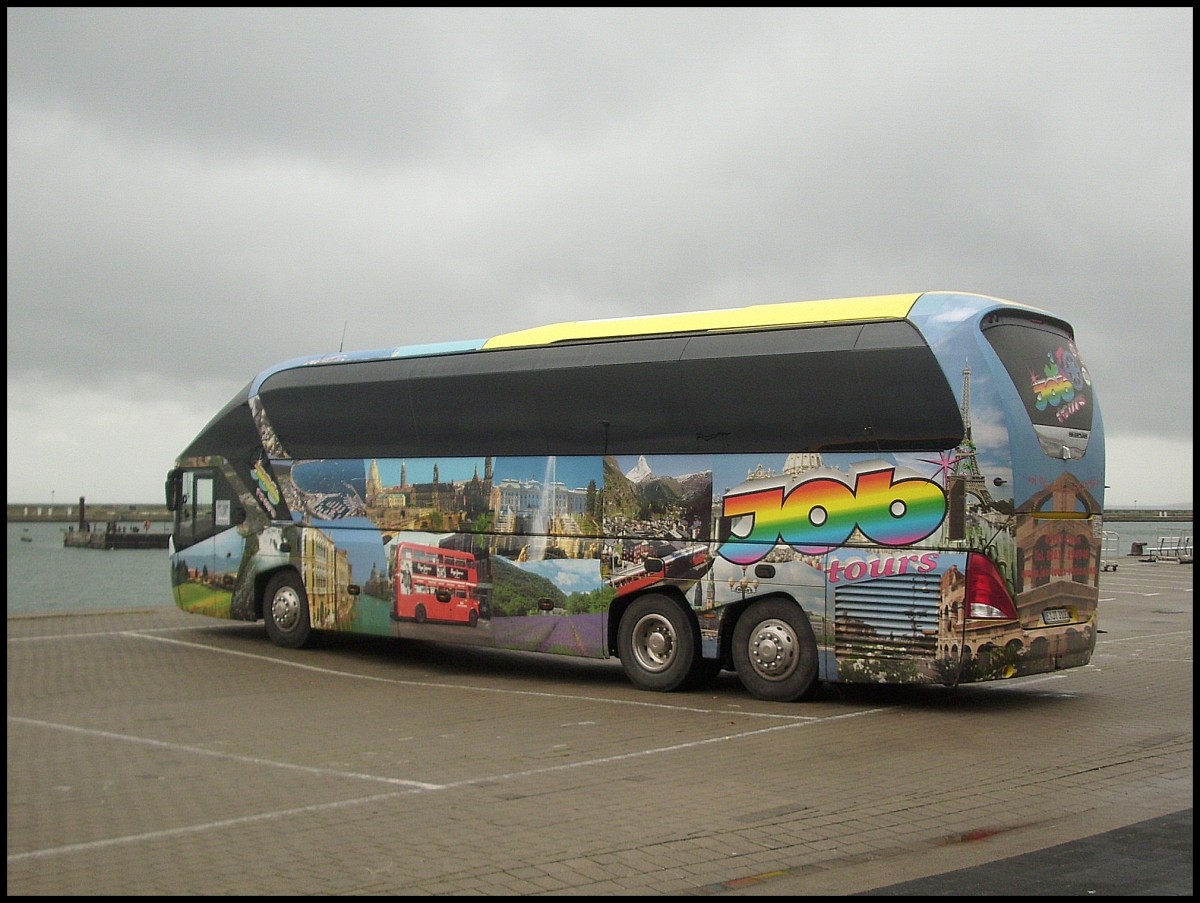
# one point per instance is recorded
(617, 610)
(263, 579)
(734, 612)
(777, 657)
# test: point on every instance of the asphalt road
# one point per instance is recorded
(153, 752)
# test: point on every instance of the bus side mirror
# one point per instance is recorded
(172, 489)
(442, 595)
(654, 565)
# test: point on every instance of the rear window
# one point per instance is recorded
(1047, 370)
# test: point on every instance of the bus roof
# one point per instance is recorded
(791, 313)
(667, 352)
(758, 316)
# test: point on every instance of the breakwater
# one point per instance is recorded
(1148, 515)
(114, 537)
(98, 513)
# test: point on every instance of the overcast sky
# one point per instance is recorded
(196, 194)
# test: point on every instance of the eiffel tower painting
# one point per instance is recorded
(965, 471)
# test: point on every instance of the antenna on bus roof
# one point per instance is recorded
(342, 344)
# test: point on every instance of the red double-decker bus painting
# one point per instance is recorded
(434, 584)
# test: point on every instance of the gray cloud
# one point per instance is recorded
(194, 194)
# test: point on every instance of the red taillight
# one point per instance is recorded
(987, 595)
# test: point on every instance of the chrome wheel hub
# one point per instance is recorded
(654, 642)
(285, 610)
(774, 650)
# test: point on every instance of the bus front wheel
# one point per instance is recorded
(775, 651)
(656, 644)
(285, 609)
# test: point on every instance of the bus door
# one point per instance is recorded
(193, 506)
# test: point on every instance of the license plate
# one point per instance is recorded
(1056, 616)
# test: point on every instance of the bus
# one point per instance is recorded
(665, 561)
(435, 584)
(895, 489)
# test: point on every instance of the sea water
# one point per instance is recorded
(44, 577)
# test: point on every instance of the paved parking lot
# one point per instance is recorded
(153, 752)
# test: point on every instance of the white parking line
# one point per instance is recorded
(472, 687)
(410, 786)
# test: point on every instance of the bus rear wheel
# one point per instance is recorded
(656, 644)
(285, 609)
(775, 651)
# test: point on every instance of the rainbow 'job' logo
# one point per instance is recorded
(820, 511)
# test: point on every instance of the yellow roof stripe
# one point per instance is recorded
(758, 316)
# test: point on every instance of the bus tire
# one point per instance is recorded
(656, 644)
(285, 609)
(775, 650)
(473, 619)
(419, 615)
